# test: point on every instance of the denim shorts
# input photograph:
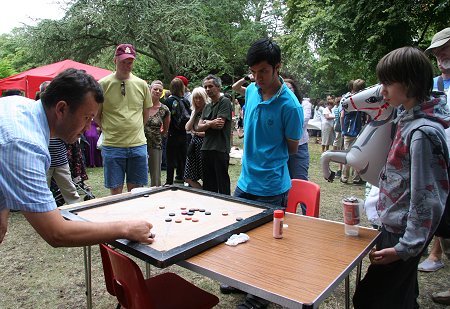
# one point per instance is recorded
(118, 162)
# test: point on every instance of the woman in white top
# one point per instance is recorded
(327, 125)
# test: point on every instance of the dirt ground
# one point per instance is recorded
(35, 275)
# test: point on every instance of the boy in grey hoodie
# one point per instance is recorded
(413, 184)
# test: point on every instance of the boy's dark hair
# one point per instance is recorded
(71, 86)
(410, 67)
(264, 50)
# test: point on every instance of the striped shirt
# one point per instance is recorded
(58, 152)
(24, 139)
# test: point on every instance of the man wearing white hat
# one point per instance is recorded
(440, 48)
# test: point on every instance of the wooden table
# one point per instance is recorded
(298, 271)
(217, 217)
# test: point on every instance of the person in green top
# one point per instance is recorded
(122, 117)
(216, 123)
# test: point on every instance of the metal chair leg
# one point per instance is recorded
(148, 270)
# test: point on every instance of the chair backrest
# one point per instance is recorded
(107, 270)
(307, 193)
(128, 281)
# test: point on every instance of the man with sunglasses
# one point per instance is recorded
(122, 117)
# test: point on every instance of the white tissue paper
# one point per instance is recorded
(236, 239)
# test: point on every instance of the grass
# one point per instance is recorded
(35, 275)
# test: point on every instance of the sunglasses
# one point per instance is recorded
(122, 88)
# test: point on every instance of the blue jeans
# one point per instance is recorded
(298, 163)
(279, 200)
(131, 161)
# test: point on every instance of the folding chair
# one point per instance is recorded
(165, 291)
(304, 192)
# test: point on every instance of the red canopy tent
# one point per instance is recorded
(29, 81)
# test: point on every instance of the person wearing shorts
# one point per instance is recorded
(122, 117)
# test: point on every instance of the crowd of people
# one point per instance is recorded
(194, 132)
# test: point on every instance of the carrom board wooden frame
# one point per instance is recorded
(163, 259)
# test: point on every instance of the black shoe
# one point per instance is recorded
(226, 289)
(359, 182)
(338, 174)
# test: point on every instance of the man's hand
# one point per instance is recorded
(384, 256)
(3, 223)
(217, 123)
(140, 231)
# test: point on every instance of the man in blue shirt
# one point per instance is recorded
(273, 127)
(65, 111)
(272, 120)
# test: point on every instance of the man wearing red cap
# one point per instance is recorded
(122, 117)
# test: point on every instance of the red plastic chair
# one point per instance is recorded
(307, 193)
(164, 291)
(107, 272)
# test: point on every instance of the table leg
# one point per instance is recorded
(148, 270)
(347, 292)
(358, 273)
(87, 272)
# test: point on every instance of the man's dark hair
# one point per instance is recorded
(71, 86)
(264, 50)
(216, 80)
(11, 92)
(410, 67)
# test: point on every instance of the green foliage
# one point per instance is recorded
(324, 43)
(192, 38)
(5, 69)
(347, 38)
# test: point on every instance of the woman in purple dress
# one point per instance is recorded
(92, 154)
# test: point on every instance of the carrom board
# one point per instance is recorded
(214, 220)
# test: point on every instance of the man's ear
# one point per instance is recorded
(61, 108)
(277, 68)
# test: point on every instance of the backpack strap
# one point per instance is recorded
(436, 148)
(443, 227)
(440, 83)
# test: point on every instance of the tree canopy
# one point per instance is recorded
(324, 43)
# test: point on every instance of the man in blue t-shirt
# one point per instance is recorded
(273, 127)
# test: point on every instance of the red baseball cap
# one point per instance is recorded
(125, 51)
(183, 79)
